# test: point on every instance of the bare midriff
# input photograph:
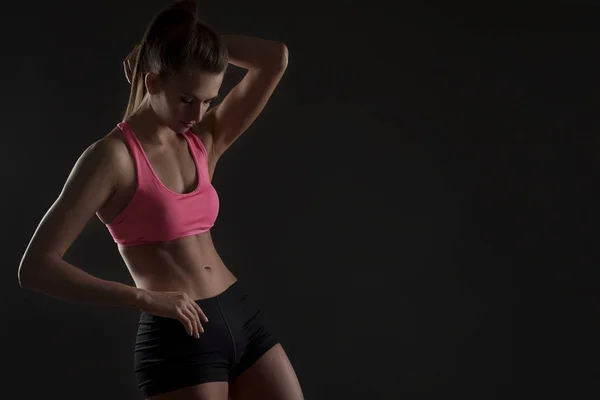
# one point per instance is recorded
(189, 264)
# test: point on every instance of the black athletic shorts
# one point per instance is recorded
(166, 358)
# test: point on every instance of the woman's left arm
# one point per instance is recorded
(266, 62)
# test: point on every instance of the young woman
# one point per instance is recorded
(200, 337)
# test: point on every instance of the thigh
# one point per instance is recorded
(271, 377)
(204, 391)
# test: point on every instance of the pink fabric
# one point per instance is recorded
(155, 213)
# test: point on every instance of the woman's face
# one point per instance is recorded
(181, 100)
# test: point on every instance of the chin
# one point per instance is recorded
(178, 127)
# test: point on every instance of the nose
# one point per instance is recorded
(197, 114)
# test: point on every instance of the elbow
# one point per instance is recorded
(283, 55)
(24, 275)
(277, 58)
(28, 273)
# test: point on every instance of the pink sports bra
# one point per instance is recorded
(155, 213)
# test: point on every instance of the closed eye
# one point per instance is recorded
(187, 99)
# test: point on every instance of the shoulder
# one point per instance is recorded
(113, 147)
(109, 154)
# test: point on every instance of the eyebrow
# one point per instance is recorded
(191, 95)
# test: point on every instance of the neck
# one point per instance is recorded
(145, 123)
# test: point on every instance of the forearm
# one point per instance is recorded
(55, 277)
(254, 53)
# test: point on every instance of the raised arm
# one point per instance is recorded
(42, 268)
(266, 62)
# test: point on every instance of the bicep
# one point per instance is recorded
(243, 104)
(89, 185)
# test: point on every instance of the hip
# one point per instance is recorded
(234, 320)
(236, 335)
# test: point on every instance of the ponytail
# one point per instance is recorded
(137, 90)
(174, 38)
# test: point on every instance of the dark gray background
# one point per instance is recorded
(419, 189)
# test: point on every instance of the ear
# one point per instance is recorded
(152, 83)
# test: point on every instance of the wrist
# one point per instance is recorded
(141, 298)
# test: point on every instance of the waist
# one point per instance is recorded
(190, 265)
(230, 296)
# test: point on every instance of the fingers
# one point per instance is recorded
(191, 315)
(187, 320)
(192, 321)
(201, 314)
(198, 329)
